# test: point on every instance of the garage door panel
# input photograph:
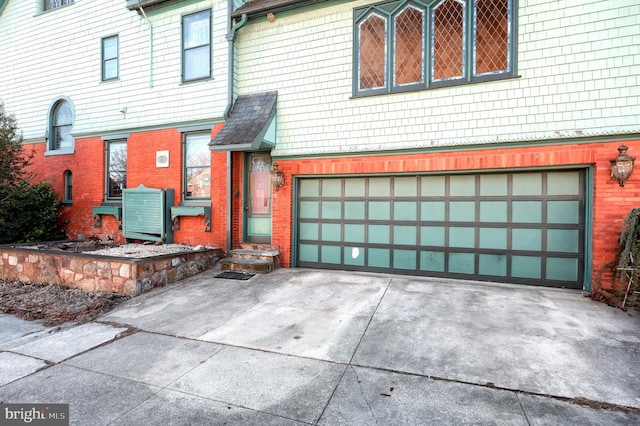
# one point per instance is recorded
(512, 227)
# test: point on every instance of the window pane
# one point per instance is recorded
(198, 165)
(110, 69)
(117, 169)
(492, 36)
(198, 153)
(52, 4)
(197, 63)
(409, 46)
(63, 114)
(110, 48)
(448, 46)
(372, 53)
(196, 30)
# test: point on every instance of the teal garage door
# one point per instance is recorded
(524, 228)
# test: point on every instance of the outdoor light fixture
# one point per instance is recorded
(277, 177)
(622, 165)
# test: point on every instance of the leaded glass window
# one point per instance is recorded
(373, 52)
(197, 165)
(62, 125)
(493, 36)
(196, 46)
(54, 4)
(409, 46)
(447, 60)
(425, 44)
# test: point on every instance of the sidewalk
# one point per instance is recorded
(300, 346)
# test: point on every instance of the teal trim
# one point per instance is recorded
(588, 228)
(294, 223)
(99, 211)
(177, 211)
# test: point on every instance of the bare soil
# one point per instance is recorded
(55, 304)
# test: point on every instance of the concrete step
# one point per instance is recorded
(259, 266)
(256, 246)
(254, 254)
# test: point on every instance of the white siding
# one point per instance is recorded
(58, 53)
(578, 66)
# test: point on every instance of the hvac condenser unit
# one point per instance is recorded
(146, 214)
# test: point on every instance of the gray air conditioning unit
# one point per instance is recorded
(146, 214)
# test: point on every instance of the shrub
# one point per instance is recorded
(28, 212)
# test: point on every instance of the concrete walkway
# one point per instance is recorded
(301, 346)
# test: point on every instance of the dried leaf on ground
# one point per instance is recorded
(55, 304)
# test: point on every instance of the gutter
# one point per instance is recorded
(280, 6)
(231, 36)
(150, 44)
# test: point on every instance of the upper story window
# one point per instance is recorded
(197, 166)
(116, 176)
(196, 46)
(61, 118)
(54, 4)
(110, 58)
(413, 45)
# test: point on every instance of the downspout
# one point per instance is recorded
(150, 45)
(231, 36)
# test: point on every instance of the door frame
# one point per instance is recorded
(246, 237)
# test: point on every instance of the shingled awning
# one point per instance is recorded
(251, 125)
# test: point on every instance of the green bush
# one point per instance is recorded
(28, 212)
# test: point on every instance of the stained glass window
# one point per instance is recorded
(409, 46)
(448, 40)
(431, 44)
(373, 52)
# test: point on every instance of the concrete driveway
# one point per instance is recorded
(300, 346)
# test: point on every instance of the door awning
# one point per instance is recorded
(251, 125)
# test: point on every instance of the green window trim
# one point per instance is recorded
(196, 170)
(115, 170)
(60, 126)
(196, 46)
(387, 37)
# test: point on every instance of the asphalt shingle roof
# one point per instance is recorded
(248, 118)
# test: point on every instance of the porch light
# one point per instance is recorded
(277, 177)
(622, 165)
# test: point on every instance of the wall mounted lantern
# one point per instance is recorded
(622, 165)
(277, 177)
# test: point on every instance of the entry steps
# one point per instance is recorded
(254, 258)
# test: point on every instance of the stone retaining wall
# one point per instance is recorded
(103, 273)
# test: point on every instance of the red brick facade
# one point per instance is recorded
(611, 203)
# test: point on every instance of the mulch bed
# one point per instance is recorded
(54, 304)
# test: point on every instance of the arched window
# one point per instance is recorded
(60, 127)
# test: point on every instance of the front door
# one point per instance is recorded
(258, 202)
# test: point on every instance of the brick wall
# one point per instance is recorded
(88, 168)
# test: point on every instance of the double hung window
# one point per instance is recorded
(414, 45)
(196, 46)
(110, 58)
(197, 166)
(116, 176)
